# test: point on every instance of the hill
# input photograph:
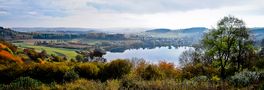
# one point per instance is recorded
(159, 30)
(258, 33)
(187, 30)
(257, 30)
(9, 34)
(192, 30)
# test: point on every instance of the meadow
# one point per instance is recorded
(69, 53)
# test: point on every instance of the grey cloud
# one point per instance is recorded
(22, 7)
(154, 6)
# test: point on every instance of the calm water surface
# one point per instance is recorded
(151, 55)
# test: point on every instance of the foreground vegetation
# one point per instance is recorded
(225, 59)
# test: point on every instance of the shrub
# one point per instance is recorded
(87, 70)
(58, 58)
(8, 45)
(70, 76)
(79, 58)
(198, 69)
(215, 79)
(11, 72)
(118, 68)
(169, 69)
(128, 81)
(22, 83)
(9, 56)
(261, 86)
(260, 63)
(244, 78)
(140, 66)
(102, 74)
(152, 72)
(200, 79)
(81, 84)
(48, 72)
(112, 85)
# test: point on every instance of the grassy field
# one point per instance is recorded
(70, 53)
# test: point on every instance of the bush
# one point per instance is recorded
(244, 78)
(48, 72)
(11, 72)
(260, 63)
(87, 70)
(199, 69)
(112, 85)
(261, 86)
(128, 81)
(152, 72)
(215, 79)
(200, 79)
(70, 76)
(58, 58)
(102, 74)
(79, 58)
(22, 83)
(169, 69)
(118, 68)
(81, 84)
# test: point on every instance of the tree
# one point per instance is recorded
(79, 58)
(118, 68)
(261, 53)
(152, 72)
(228, 44)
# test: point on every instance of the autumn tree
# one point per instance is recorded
(228, 44)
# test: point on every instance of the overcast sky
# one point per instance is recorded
(172, 14)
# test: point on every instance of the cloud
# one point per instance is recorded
(127, 13)
(3, 12)
(156, 6)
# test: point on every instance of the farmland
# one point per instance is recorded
(70, 53)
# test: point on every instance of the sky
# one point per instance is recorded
(172, 14)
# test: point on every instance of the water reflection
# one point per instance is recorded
(170, 54)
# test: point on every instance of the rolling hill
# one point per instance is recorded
(9, 34)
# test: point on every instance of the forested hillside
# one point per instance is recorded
(8, 34)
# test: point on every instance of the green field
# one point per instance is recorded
(70, 53)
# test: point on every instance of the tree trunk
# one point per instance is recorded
(223, 72)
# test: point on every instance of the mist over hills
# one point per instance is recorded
(257, 32)
(120, 30)
(54, 30)
(78, 30)
(186, 30)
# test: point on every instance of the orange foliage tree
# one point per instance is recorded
(7, 55)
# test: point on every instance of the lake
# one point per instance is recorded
(170, 54)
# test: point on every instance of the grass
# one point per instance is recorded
(70, 53)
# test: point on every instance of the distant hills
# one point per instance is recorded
(257, 30)
(258, 33)
(159, 30)
(9, 34)
(61, 30)
(193, 30)
(176, 33)
(197, 32)
(121, 30)
(187, 30)
(55, 29)
(25, 32)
